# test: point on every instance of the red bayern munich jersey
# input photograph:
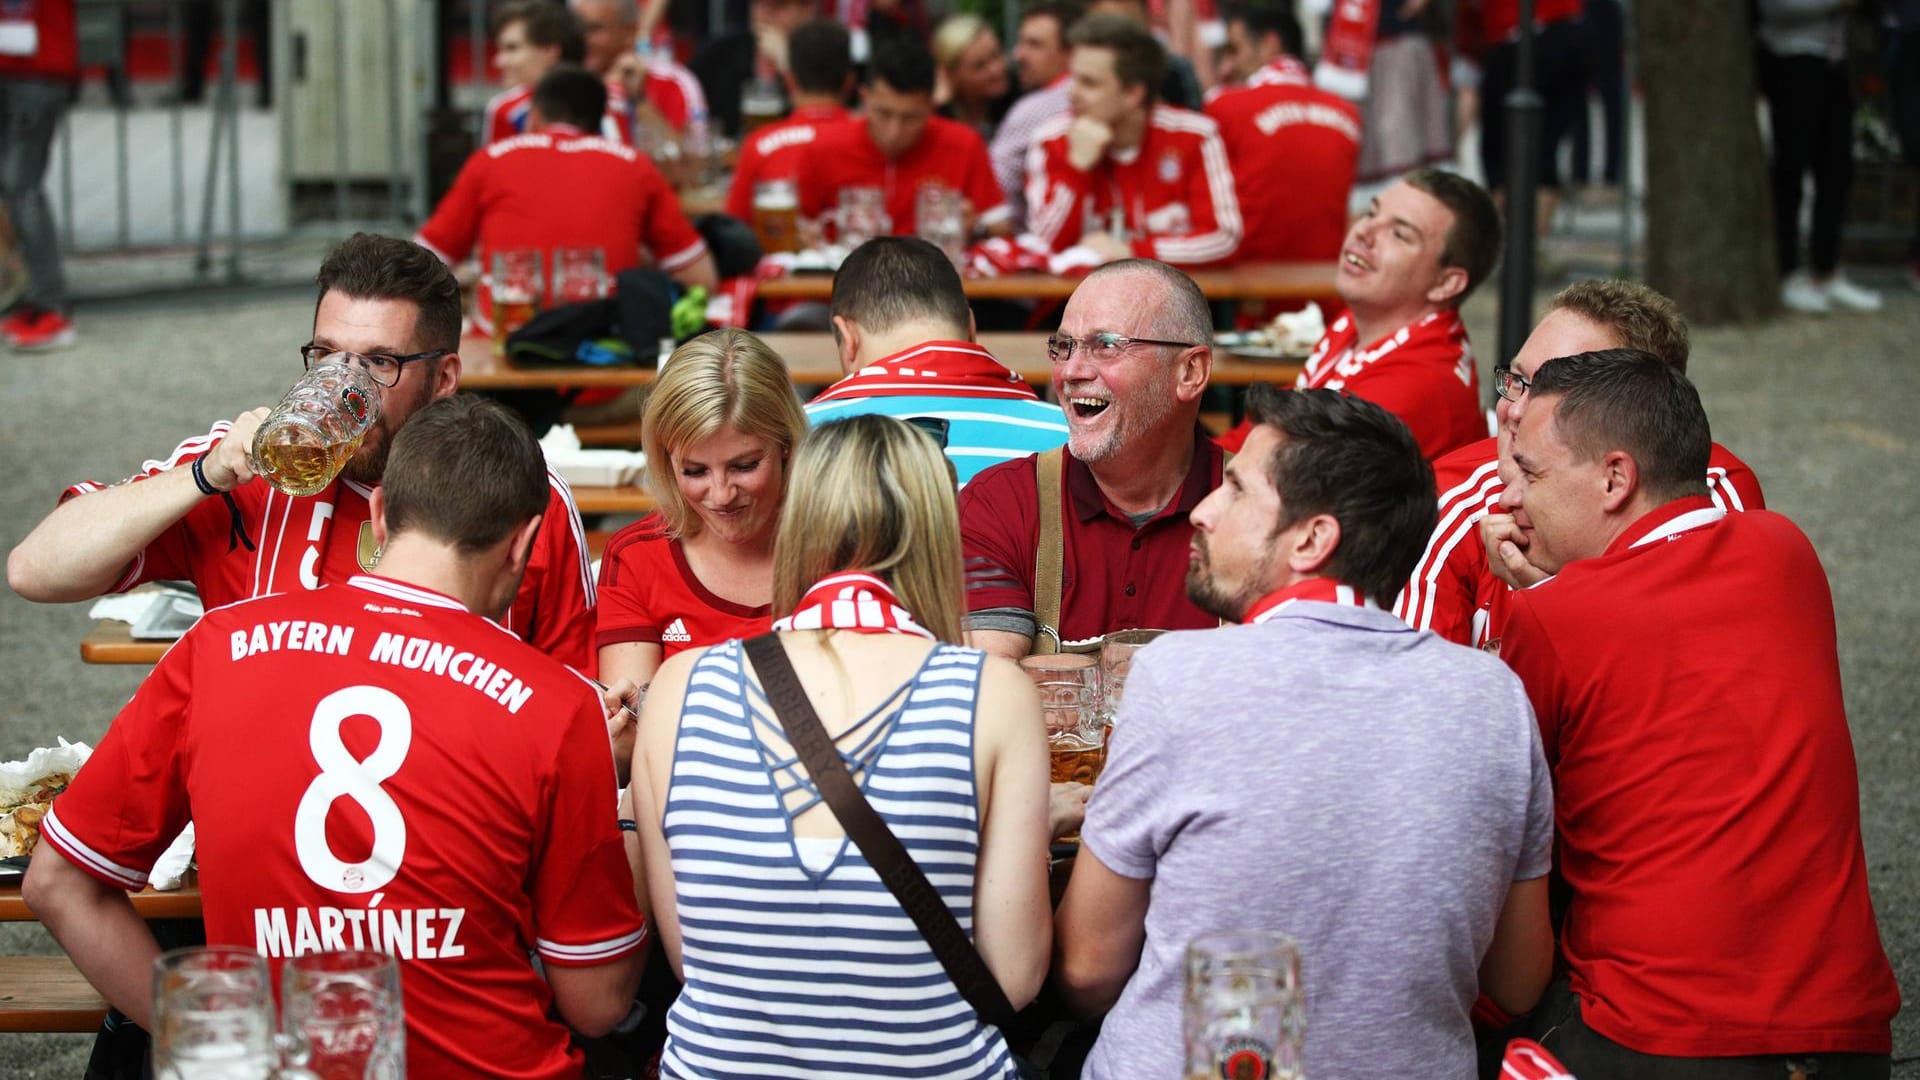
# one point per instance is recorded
(303, 543)
(560, 189)
(774, 153)
(1114, 575)
(371, 766)
(649, 594)
(1174, 193)
(1453, 591)
(508, 113)
(1687, 684)
(949, 154)
(1294, 149)
(1422, 373)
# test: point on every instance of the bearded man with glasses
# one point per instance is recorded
(200, 514)
(1130, 361)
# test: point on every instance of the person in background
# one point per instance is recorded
(948, 744)
(201, 514)
(562, 186)
(719, 430)
(1403, 828)
(529, 38)
(1683, 666)
(819, 75)
(906, 339)
(1804, 77)
(649, 94)
(756, 53)
(1179, 84)
(1040, 55)
(1280, 124)
(1409, 262)
(39, 65)
(480, 828)
(1404, 122)
(973, 86)
(899, 147)
(1124, 174)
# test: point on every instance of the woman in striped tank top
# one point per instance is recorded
(797, 960)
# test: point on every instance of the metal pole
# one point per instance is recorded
(1523, 160)
(122, 186)
(178, 66)
(340, 106)
(396, 141)
(230, 101)
(1626, 143)
(477, 67)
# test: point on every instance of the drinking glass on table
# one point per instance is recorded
(760, 104)
(1244, 1013)
(1116, 659)
(1069, 689)
(341, 1015)
(212, 1015)
(863, 215)
(515, 286)
(579, 275)
(776, 215)
(940, 218)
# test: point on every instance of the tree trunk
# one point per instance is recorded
(1709, 206)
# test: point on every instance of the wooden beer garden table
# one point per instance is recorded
(47, 993)
(1250, 281)
(814, 360)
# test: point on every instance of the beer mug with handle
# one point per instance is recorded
(341, 1016)
(308, 438)
(212, 1015)
(1244, 1014)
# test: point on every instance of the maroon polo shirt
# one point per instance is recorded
(1114, 576)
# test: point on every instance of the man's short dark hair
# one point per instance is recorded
(1640, 317)
(547, 25)
(1352, 459)
(1064, 14)
(1628, 400)
(367, 266)
(890, 280)
(904, 65)
(820, 56)
(1138, 58)
(465, 471)
(1474, 241)
(1261, 21)
(570, 94)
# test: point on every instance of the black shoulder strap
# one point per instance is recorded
(870, 834)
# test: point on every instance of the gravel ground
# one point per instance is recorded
(1824, 411)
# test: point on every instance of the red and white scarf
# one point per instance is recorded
(1321, 590)
(854, 601)
(1437, 337)
(944, 368)
(1346, 54)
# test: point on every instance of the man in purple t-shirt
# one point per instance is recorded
(1322, 770)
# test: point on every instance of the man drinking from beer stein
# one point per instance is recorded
(201, 514)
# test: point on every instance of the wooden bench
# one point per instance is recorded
(47, 994)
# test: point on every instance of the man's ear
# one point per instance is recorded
(1450, 284)
(1192, 369)
(378, 506)
(973, 326)
(446, 377)
(520, 543)
(846, 338)
(1311, 544)
(1621, 477)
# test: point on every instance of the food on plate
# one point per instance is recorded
(21, 810)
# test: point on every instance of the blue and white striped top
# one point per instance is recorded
(792, 972)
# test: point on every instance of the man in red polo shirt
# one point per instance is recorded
(1294, 147)
(1409, 262)
(377, 765)
(1683, 666)
(560, 187)
(899, 147)
(905, 332)
(819, 71)
(1130, 361)
(1124, 173)
(1453, 591)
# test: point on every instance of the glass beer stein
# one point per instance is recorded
(309, 437)
(1244, 1013)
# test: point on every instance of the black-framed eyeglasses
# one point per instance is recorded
(1509, 383)
(386, 370)
(1103, 347)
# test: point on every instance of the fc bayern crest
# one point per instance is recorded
(1169, 168)
(1244, 1059)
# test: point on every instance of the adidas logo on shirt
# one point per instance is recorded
(676, 632)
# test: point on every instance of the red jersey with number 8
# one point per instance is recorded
(371, 766)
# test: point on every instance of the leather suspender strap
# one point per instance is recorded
(1049, 558)
(870, 834)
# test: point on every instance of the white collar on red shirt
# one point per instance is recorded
(943, 368)
(1443, 328)
(1320, 590)
(400, 590)
(1282, 71)
(561, 131)
(1669, 522)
